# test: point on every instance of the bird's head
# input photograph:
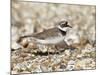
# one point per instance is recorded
(63, 25)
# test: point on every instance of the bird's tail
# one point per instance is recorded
(22, 37)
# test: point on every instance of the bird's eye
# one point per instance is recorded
(63, 25)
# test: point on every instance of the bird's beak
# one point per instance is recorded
(69, 26)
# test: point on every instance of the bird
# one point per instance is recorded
(52, 36)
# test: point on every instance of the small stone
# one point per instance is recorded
(79, 56)
(24, 43)
(14, 72)
(44, 68)
(32, 45)
(70, 67)
(23, 55)
(71, 62)
(43, 48)
(20, 59)
(63, 66)
(67, 52)
(15, 46)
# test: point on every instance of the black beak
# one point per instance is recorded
(69, 26)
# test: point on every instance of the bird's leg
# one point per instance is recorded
(56, 51)
(48, 52)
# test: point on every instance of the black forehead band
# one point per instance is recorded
(64, 24)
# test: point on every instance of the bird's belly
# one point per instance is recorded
(51, 40)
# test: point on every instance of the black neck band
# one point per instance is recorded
(62, 32)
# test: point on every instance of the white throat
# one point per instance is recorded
(63, 29)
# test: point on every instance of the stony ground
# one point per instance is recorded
(28, 61)
(29, 17)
